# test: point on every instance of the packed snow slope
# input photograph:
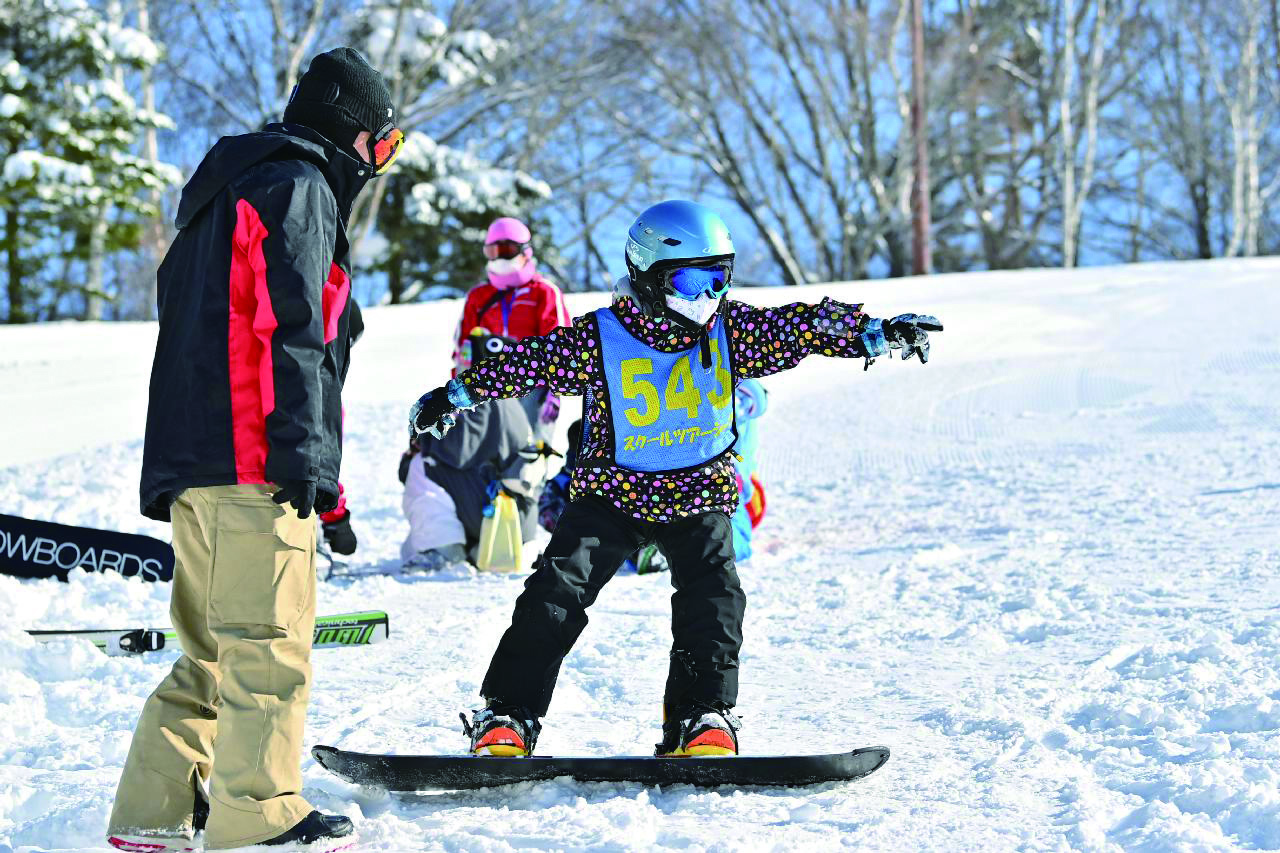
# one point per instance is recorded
(1043, 569)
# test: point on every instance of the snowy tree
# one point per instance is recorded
(423, 223)
(1075, 188)
(73, 190)
(1202, 125)
(1234, 64)
(795, 108)
(236, 62)
(437, 204)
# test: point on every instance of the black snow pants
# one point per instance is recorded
(590, 542)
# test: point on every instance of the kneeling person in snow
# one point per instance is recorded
(447, 480)
(658, 370)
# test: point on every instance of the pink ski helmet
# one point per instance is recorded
(510, 257)
(508, 228)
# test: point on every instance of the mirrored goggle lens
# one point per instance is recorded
(386, 149)
(692, 282)
(504, 249)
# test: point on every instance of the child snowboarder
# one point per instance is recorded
(657, 371)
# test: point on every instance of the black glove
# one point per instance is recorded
(339, 535)
(910, 333)
(300, 493)
(433, 413)
(326, 501)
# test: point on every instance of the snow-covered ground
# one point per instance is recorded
(1042, 569)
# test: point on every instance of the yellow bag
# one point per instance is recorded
(500, 537)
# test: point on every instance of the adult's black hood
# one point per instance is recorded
(232, 156)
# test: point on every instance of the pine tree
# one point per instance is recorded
(431, 210)
(72, 189)
(437, 205)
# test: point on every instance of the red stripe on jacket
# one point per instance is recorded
(336, 292)
(251, 321)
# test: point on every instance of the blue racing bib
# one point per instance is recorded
(668, 411)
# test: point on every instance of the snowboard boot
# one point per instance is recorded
(314, 827)
(133, 843)
(702, 730)
(175, 842)
(501, 730)
(437, 559)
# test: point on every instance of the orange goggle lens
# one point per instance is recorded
(386, 149)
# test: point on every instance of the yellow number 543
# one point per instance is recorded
(681, 391)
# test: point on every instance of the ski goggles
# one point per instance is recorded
(386, 147)
(692, 282)
(504, 249)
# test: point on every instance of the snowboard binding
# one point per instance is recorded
(701, 731)
(141, 640)
(501, 731)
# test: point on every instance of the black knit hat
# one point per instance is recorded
(339, 96)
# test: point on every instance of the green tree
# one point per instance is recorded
(435, 209)
(73, 191)
(424, 222)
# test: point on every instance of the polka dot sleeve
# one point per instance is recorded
(565, 360)
(770, 340)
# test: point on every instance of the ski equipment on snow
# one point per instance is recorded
(337, 567)
(332, 632)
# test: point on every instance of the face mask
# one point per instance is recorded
(504, 266)
(699, 310)
(511, 272)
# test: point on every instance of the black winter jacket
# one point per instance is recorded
(256, 319)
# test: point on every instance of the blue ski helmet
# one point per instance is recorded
(669, 235)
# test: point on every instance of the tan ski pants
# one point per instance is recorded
(230, 714)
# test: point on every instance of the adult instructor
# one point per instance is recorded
(243, 444)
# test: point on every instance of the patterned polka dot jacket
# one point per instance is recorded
(569, 361)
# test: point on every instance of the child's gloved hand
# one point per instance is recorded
(433, 414)
(910, 333)
(339, 535)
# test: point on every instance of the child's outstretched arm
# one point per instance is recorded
(770, 340)
(562, 360)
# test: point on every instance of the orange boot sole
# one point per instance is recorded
(501, 741)
(710, 743)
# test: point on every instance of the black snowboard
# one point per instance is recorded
(457, 772)
(44, 549)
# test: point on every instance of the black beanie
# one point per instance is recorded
(340, 95)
